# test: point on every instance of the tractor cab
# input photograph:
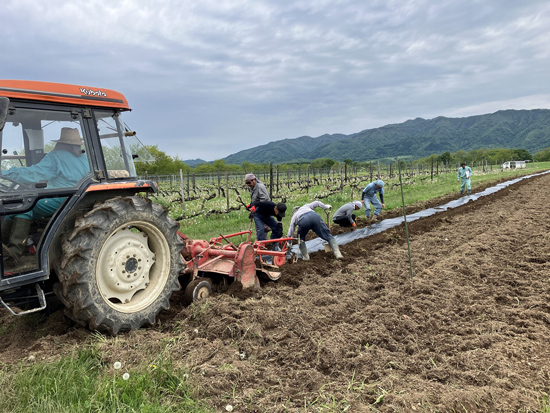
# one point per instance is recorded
(65, 153)
(48, 153)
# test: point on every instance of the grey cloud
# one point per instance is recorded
(221, 76)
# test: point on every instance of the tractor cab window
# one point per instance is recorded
(42, 150)
(120, 145)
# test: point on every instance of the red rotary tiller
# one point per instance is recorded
(213, 262)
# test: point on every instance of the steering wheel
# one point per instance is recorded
(14, 184)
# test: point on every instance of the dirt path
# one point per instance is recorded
(469, 332)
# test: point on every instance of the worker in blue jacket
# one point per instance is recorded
(368, 197)
(63, 167)
(463, 175)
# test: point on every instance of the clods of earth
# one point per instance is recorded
(467, 328)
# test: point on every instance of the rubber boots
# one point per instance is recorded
(6, 230)
(335, 249)
(18, 239)
(469, 192)
(303, 250)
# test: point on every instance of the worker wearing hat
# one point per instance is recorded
(344, 216)
(463, 175)
(63, 167)
(265, 213)
(368, 197)
(258, 193)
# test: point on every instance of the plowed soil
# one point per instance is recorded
(466, 329)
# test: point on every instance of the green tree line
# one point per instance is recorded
(167, 165)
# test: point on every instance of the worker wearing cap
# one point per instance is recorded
(307, 219)
(368, 197)
(463, 175)
(344, 216)
(258, 191)
(265, 213)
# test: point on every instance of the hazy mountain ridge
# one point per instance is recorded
(194, 162)
(516, 129)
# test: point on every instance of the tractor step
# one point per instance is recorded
(41, 299)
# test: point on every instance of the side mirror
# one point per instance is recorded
(4, 104)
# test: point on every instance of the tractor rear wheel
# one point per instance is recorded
(120, 265)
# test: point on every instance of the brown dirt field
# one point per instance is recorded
(469, 332)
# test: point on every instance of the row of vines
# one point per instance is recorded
(189, 196)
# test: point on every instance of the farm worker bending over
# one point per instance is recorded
(63, 167)
(345, 216)
(369, 197)
(307, 219)
(463, 175)
(265, 213)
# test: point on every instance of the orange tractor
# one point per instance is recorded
(75, 222)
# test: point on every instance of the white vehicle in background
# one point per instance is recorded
(513, 165)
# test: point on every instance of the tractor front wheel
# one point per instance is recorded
(120, 265)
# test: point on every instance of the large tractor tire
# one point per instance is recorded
(120, 265)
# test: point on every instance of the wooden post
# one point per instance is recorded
(370, 166)
(346, 172)
(307, 188)
(227, 188)
(271, 180)
(182, 192)
(341, 179)
(277, 179)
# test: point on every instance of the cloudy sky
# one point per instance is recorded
(208, 78)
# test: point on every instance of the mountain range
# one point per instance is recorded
(416, 138)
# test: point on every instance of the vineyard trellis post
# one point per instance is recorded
(307, 185)
(277, 179)
(219, 183)
(271, 180)
(341, 179)
(370, 166)
(345, 172)
(227, 187)
(182, 192)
